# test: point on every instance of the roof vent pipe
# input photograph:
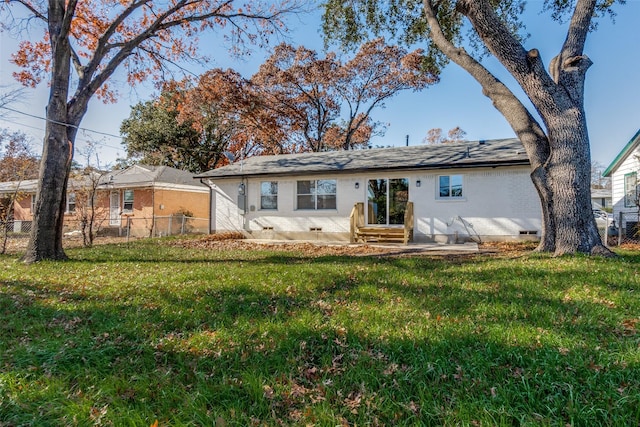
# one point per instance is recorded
(407, 140)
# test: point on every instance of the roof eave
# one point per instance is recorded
(523, 162)
(631, 145)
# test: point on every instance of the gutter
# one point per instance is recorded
(435, 167)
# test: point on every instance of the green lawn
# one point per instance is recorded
(133, 333)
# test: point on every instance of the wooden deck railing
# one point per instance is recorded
(356, 220)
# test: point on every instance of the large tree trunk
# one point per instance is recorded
(46, 232)
(569, 170)
(525, 126)
(48, 218)
(559, 99)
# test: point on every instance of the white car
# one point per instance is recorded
(602, 218)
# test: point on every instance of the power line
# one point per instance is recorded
(59, 123)
(87, 141)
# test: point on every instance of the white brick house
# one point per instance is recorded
(458, 191)
(623, 171)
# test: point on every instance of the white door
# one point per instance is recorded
(114, 209)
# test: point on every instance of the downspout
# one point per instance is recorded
(153, 206)
(245, 222)
(242, 199)
(210, 186)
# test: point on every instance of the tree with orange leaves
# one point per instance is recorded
(299, 89)
(84, 43)
(434, 136)
(376, 73)
(221, 108)
(292, 104)
(326, 104)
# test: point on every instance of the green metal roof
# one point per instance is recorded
(621, 157)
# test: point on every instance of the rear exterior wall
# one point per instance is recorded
(496, 204)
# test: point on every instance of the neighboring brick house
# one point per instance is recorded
(129, 201)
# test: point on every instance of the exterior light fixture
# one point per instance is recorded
(418, 183)
(357, 185)
(241, 189)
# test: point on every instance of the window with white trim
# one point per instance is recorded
(269, 195)
(450, 187)
(127, 201)
(316, 194)
(71, 203)
(630, 190)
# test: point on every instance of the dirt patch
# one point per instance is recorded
(234, 241)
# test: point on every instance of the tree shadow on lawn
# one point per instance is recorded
(530, 296)
(356, 346)
(320, 375)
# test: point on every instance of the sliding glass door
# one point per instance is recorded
(387, 201)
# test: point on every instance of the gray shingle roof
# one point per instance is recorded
(141, 175)
(135, 176)
(499, 152)
(27, 186)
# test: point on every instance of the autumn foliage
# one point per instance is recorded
(143, 37)
(84, 42)
(17, 161)
(296, 102)
(435, 136)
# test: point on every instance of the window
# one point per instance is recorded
(91, 199)
(450, 187)
(127, 201)
(630, 190)
(320, 194)
(71, 203)
(269, 195)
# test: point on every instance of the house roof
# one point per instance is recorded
(499, 152)
(136, 176)
(622, 156)
(145, 175)
(27, 185)
(600, 193)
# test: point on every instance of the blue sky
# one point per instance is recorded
(612, 95)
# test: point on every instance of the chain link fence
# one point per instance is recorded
(157, 226)
(17, 228)
(160, 226)
(625, 229)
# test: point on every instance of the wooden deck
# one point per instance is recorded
(374, 233)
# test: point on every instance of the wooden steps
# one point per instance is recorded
(364, 233)
(380, 234)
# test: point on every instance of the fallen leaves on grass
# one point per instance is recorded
(231, 241)
(629, 327)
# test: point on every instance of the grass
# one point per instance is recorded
(142, 332)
